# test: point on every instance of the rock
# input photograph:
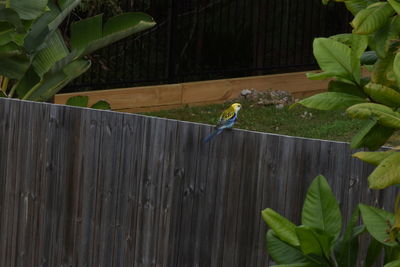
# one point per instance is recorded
(266, 98)
(245, 92)
(306, 115)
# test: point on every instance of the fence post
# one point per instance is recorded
(170, 70)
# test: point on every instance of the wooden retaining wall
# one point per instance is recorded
(169, 96)
(81, 187)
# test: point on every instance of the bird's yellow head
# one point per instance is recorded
(236, 107)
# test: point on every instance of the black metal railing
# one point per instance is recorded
(211, 39)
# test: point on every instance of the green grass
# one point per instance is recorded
(329, 125)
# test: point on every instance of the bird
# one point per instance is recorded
(226, 120)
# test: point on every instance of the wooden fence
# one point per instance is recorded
(81, 187)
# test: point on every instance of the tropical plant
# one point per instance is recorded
(318, 240)
(36, 61)
(364, 68)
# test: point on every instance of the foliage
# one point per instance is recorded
(375, 98)
(35, 59)
(109, 7)
(317, 241)
(92, 7)
(373, 46)
(83, 101)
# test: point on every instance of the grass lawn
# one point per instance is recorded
(299, 121)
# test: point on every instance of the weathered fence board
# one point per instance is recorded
(81, 187)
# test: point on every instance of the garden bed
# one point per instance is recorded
(298, 121)
(168, 96)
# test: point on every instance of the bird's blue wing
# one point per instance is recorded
(228, 123)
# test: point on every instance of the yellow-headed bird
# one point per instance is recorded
(226, 120)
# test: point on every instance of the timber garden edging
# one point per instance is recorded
(147, 98)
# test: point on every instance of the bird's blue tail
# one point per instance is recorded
(212, 135)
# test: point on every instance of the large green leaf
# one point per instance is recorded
(54, 82)
(330, 101)
(381, 40)
(395, 5)
(387, 173)
(346, 88)
(333, 57)
(10, 50)
(383, 72)
(14, 67)
(42, 63)
(65, 8)
(347, 247)
(374, 158)
(383, 114)
(396, 68)
(344, 38)
(358, 45)
(369, 20)
(65, 61)
(46, 25)
(82, 101)
(29, 9)
(8, 34)
(282, 252)
(282, 227)
(78, 101)
(102, 104)
(11, 16)
(40, 32)
(46, 58)
(319, 75)
(395, 263)
(372, 135)
(124, 23)
(114, 29)
(80, 38)
(320, 209)
(376, 220)
(27, 82)
(383, 94)
(355, 6)
(314, 242)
